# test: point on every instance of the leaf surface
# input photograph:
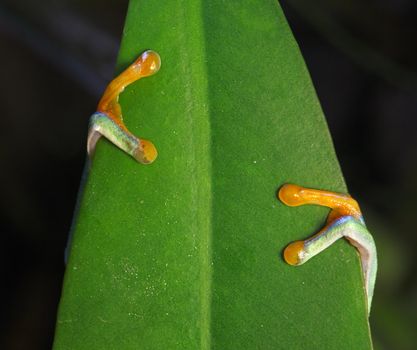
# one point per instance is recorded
(185, 253)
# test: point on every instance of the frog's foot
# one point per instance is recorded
(345, 220)
(102, 125)
(108, 120)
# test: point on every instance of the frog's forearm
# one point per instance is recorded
(345, 221)
(108, 120)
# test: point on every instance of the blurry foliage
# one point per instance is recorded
(56, 58)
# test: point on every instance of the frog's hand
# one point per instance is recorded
(345, 220)
(298, 252)
(108, 120)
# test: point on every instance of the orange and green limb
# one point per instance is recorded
(108, 120)
(345, 220)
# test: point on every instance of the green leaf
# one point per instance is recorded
(185, 253)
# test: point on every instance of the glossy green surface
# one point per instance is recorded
(185, 253)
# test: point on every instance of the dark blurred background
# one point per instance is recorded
(56, 58)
